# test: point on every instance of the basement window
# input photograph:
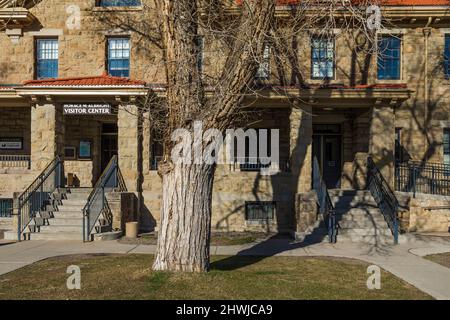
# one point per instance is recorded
(259, 211)
(6, 208)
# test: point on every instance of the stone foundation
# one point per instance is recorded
(429, 213)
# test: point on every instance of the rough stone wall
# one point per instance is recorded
(429, 213)
(15, 182)
(82, 51)
(16, 123)
(232, 188)
(47, 134)
(14, 177)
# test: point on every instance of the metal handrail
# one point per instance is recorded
(96, 205)
(32, 200)
(326, 207)
(422, 177)
(384, 197)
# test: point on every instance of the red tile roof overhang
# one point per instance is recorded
(96, 87)
(380, 2)
(112, 88)
(96, 81)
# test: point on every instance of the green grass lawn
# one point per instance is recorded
(217, 239)
(131, 277)
(442, 259)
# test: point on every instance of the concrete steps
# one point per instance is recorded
(48, 235)
(359, 219)
(62, 218)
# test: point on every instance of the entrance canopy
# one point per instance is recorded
(83, 88)
(335, 96)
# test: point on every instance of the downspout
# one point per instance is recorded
(426, 33)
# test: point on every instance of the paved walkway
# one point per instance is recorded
(405, 261)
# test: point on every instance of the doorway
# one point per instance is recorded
(327, 148)
(109, 143)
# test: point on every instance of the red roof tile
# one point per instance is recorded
(382, 2)
(103, 80)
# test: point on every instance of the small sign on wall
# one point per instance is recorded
(84, 150)
(70, 153)
(11, 143)
(90, 109)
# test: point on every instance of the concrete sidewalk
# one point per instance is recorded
(404, 261)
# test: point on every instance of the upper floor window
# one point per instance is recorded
(46, 58)
(447, 56)
(389, 58)
(119, 57)
(118, 3)
(322, 58)
(263, 72)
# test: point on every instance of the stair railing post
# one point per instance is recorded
(58, 177)
(84, 225)
(433, 181)
(103, 197)
(41, 201)
(414, 180)
(395, 230)
(19, 223)
(88, 229)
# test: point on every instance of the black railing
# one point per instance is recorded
(97, 205)
(422, 177)
(15, 161)
(384, 197)
(326, 207)
(6, 208)
(33, 200)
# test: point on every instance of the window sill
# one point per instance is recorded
(401, 81)
(117, 9)
(324, 81)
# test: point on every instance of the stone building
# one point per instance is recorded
(59, 55)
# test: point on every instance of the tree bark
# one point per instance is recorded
(184, 235)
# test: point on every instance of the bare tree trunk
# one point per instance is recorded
(185, 226)
(183, 240)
